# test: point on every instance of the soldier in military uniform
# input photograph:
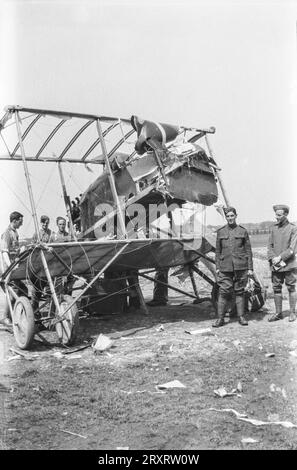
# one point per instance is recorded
(10, 250)
(234, 263)
(282, 247)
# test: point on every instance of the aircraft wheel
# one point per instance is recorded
(67, 329)
(23, 322)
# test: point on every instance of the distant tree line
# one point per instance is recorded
(252, 228)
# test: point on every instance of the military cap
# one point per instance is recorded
(281, 207)
(229, 209)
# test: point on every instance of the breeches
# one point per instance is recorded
(232, 281)
(278, 278)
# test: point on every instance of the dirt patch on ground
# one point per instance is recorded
(111, 399)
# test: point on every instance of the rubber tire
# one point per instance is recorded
(67, 329)
(23, 307)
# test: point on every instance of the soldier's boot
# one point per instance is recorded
(222, 305)
(278, 302)
(239, 299)
(292, 302)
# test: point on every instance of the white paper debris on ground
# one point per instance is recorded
(272, 387)
(160, 328)
(58, 355)
(200, 331)
(74, 433)
(293, 353)
(284, 393)
(74, 356)
(173, 384)
(222, 392)
(125, 338)
(239, 387)
(270, 354)
(122, 448)
(248, 440)
(229, 410)
(102, 343)
(236, 342)
(13, 358)
(255, 422)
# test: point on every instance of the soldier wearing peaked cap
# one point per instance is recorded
(234, 262)
(282, 248)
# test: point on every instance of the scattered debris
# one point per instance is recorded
(102, 343)
(13, 358)
(173, 384)
(129, 332)
(236, 342)
(239, 387)
(75, 356)
(248, 440)
(222, 392)
(122, 448)
(293, 353)
(255, 422)
(160, 328)
(272, 387)
(134, 337)
(28, 356)
(79, 348)
(74, 434)
(201, 331)
(58, 354)
(269, 354)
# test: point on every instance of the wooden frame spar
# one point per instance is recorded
(94, 123)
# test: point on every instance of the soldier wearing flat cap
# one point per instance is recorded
(282, 248)
(234, 263)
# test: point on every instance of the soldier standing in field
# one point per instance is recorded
(282, 247)
(234, 263)
(10, 250)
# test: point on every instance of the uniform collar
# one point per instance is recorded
(283, 223)
(10, 227)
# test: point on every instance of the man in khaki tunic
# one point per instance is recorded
(234, 263)
(10, 249)
(282, 247)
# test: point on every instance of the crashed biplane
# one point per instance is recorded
(145, 164)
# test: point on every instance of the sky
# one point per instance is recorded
(231, 65)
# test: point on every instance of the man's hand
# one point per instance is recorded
(276, 260)
(250, 272)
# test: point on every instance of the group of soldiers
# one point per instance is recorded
(10, 249)
(233, 258)
(234, 266)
